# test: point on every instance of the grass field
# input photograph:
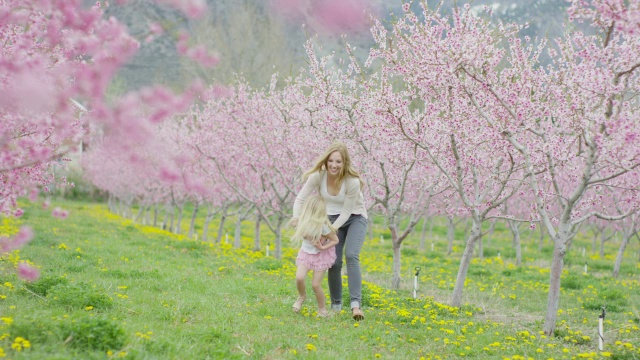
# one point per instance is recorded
(114, 289)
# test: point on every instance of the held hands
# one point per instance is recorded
(327, 242)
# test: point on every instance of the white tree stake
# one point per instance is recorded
(601, 330)
(415, 283)
(268, 249)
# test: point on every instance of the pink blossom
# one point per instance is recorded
(342, 15)
(60, 213)
(18, 213)
(156, 28)
(169, 176)
(28, 272)
(18, 241)
(199, 54)
(33, 194)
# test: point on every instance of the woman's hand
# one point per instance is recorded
(331, 240)
(322, 243)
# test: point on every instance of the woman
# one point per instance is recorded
(340, 185)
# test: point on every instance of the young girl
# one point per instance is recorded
(317, 251)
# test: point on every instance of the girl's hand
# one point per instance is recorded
(331, 240)
(322, 243)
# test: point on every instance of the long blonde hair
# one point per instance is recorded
(311, 221)
(347, 169)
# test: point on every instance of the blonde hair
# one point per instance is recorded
(313, 218)
(347, 169)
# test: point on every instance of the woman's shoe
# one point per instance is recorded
(357, 314)
(298, 304)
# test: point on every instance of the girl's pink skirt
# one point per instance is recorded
(319, 262)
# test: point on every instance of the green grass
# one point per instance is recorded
(114, 289)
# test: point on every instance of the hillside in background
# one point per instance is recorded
(255, 42)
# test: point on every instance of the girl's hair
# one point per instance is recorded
(347, 169)
(312, 218)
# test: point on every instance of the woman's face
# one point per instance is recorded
(334, 163)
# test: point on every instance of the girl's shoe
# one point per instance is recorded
(298, 304)
(357, 314)
(324, 313)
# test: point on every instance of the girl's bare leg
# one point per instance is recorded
(316, 284)
(301, 275)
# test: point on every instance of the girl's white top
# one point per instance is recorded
(308, 247)
(348, 201)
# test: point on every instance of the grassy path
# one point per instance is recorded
(114, 289)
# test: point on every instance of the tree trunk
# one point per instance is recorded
(395, 245)
(165, 222)
(205, 227)
(451, 233)
(553, 299)
(480, 249)
(423, 235)
(147, 216)
(476, 231)
(256, 233)
(515, 230)
(395, 278)
(467, 226)
(492, 228)
(278, 249)
(626, 235)
(603, 239)
(223, 219)
(178, 229)
(155, 215)
(138, 217)
(172, 218)
(541, 241)
(237, 235)
(192, 224)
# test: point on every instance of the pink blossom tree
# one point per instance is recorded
(481, 171)
(246, 137)
(56, 54)
(570, 127)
